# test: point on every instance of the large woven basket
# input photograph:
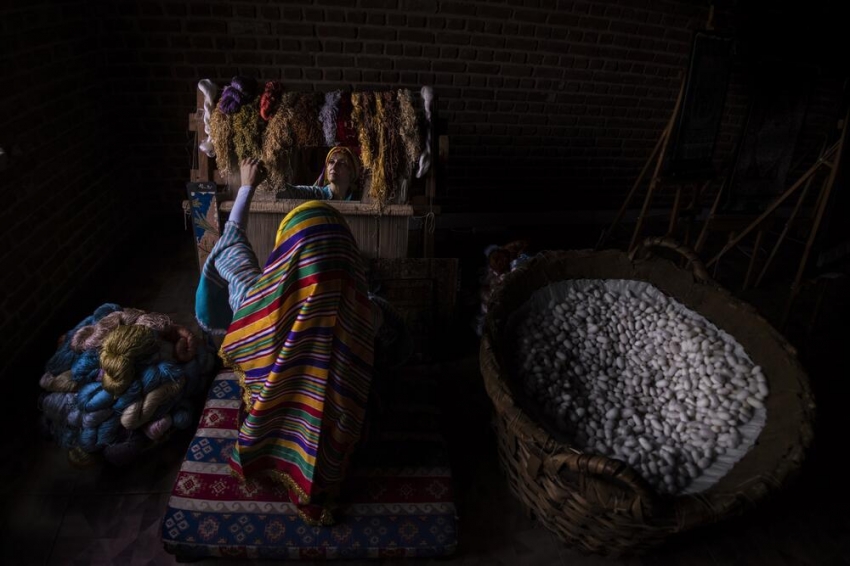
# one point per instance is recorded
(599, 504)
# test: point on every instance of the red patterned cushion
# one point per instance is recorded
(398, 501)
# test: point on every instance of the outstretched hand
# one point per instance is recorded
(251, 171)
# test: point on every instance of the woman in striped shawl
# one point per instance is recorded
(300, 336)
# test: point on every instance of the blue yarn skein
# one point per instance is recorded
(91, 397)
(182, 416)
(86, 366)
(94, 418)
(130, 396)
(85, 393)
(88, 439)
(75, 417)
(62, 360)
(102, 399)
(64, 357)
(107, 432)
(156, 374)
(66, 436)
(57, 406)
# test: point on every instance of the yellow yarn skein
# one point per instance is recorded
(121, 349)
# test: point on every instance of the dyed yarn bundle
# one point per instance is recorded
(120, 381)
(279, 140)
(270, 99)
(390, 142)
(386, 126)
(234, 126)
(328, 116)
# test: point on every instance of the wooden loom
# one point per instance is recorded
(423, 290)
(381, 232)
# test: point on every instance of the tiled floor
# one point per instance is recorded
(54, 514)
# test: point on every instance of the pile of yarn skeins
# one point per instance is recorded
(120, 382)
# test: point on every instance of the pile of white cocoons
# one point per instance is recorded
(621, 369)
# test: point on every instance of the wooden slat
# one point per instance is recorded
(392, 237)
(376, 236)
(345, 207)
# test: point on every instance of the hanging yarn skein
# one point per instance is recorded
(363, 118)
(425, 157)
(234, 96)
(278, 141)
(270, 100)
(221, 132)
(247, 137)
(127, 388)
(305, 126)
(346, 133)
(409, 131)
(209, 90)
(328, 116)
(390, 145)
(239, 92)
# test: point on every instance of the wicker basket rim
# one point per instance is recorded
(684, 510)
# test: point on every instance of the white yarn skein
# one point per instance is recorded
(209, 89)
(425, 157)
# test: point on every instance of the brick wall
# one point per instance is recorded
(562, 100)
(568, 95)
(61, 216)
(544, 100)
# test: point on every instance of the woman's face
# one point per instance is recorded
(339, 169)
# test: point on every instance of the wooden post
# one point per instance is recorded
(693, 207)
(824, 199)
(786, 228)
(674, 214)
(656, 174)
(627, 202)
(812, 170)
(711, 214)
(428, 244)
(751, 266)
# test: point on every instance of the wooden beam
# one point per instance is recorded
(824, 199)
(734, 242)
(653, 183)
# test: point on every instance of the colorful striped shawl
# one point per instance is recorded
(302, 344)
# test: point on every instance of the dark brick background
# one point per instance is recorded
(558, 99)
(543, 101)
(65, 211)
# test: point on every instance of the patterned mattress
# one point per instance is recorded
(398, 500)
